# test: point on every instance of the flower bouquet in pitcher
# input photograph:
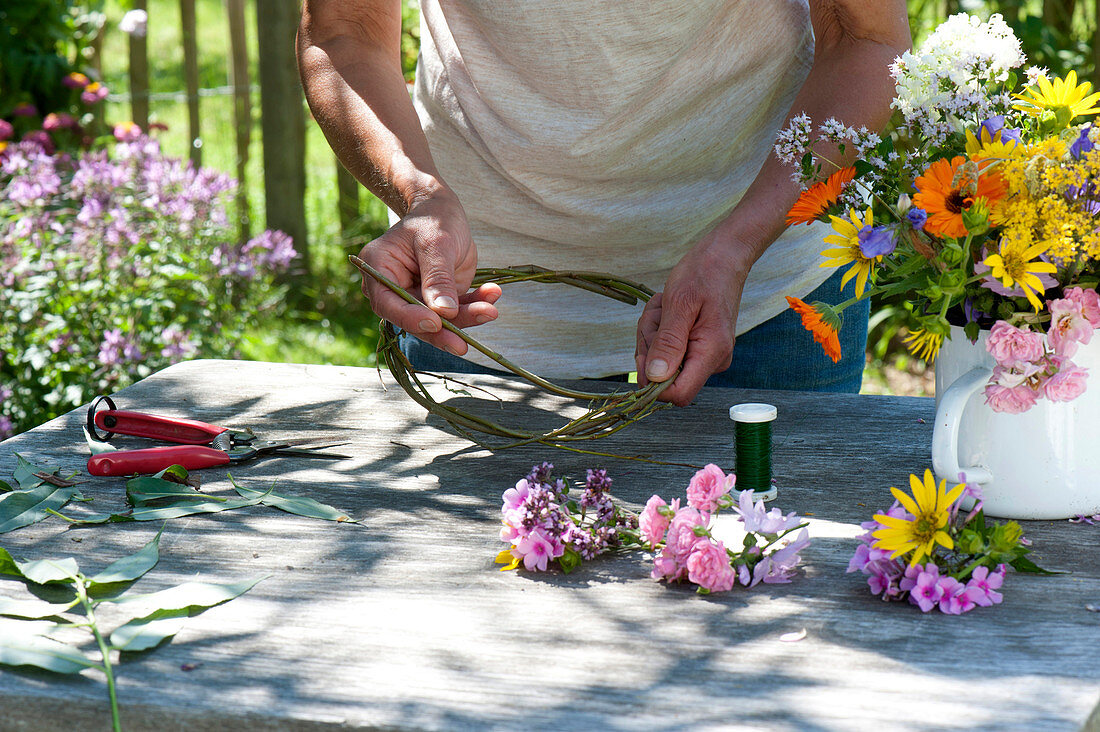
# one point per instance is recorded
(979, 214)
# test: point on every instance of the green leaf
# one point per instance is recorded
(32, 608)
(174, 474)
(5, 487)
(23, 643)
(145, 633)
(24, 507)
(145, 489)
(569, 561)
(25, 473)
(1023, 564)
(191, 598)
(46, 571)
(130, 568)
(298, 505)
(97, 446)
(8, 565)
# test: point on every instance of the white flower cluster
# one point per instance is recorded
(946, 80)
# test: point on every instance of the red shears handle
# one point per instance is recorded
(182, 431)
(154, 459)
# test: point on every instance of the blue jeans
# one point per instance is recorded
(777, 354)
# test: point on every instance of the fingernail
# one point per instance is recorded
(427, 325)
(443, 301)
(482, 319)
(656, 370)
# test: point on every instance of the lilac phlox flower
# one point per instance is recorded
(876, 241)
(957, 597)
(917, 217)
(271, 249)
(760, 521)
(1093, 520)
(708, 486)
(536, 549)
(1082, 144)
(985, 584)
(926, 590)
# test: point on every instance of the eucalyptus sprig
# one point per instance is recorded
(607, 413)
(27, 626)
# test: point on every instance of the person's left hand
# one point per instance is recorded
(690, 325)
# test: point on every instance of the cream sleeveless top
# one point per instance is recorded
(608, 135)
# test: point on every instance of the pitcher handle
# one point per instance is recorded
(945, 434)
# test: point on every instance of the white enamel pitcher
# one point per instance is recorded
(1041, 464)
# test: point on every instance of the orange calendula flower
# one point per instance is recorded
(822, 325)
(947, 189)
(816, 199)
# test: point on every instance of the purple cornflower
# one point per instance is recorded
(995, 126)
(917, 217)
(876, 241)
(1082, 144)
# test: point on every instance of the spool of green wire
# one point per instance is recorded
(753, 445)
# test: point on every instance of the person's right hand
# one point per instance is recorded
(431, 254)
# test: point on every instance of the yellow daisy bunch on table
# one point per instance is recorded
(929, 507)
(851, 239)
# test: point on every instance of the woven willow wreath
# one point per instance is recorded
(607, 413)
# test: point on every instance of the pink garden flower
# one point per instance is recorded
(1068, 383)
(26, 109)
(1089, 300)
(42, 139)
(59, 121)
(1011, 400)
(957, 597)
(652, 522)
(1010, 345)
(76, 80)
(707, 486)
(1068, 326)
(514, 498)
(708, 566)
(126, 132)
(987, 584)
(6, 130)
(681, 537)
(778, 567)
(94, 92)
(536, 550)
(926, 591)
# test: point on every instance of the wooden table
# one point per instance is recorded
(404, 622)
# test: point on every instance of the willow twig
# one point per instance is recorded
(607, 413)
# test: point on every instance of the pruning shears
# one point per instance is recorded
(198, 444)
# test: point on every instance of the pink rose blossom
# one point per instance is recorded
(707, 486)
(709, 567)
(666, 567)
(681, 537)
(652, 522)
(1068, 383)
(1089, 300)
(1010, 345)
(1010, 400)
(1068, 326)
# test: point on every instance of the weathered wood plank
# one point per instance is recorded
(403, 622)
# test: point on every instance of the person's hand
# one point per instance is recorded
(690, 325)
(430, 253)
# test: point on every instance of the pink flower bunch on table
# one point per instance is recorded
(949, 559)
(543, 525)
(689, 551)
(1030, 366)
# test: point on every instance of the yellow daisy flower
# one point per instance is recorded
(1064, 94)
(923, 344)
(509, 560)
(847, 250)
(929, 507)
(1015, 265)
